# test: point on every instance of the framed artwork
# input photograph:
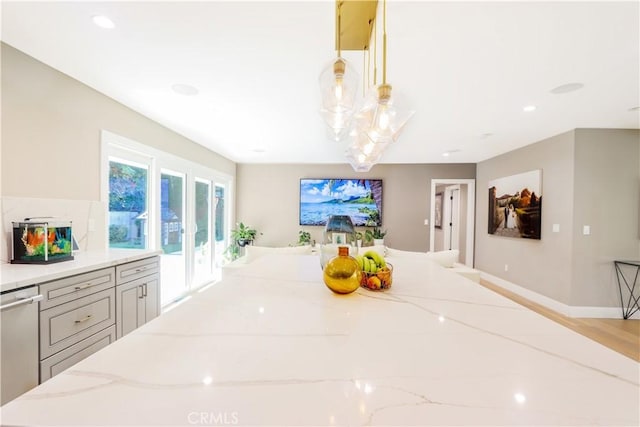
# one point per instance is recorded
(360, 199)
(515, 205)
(437, 221)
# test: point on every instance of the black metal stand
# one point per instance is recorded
(633, 301)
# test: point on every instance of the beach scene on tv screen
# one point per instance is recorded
(361, 199)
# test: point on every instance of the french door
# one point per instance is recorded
(210, 234)
(159, 201)
(202, 246)
(172, 242)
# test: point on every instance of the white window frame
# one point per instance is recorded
(121, 148)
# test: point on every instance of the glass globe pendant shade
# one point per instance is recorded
(337, 124)
(386, 120)
(339, 87)
(362, 153)
(359, 161)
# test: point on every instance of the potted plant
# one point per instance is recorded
(359, 237)
(376, 235)
(231, 253)
(304, 238)
(243, 234)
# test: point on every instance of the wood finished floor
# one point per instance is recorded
(619, 335)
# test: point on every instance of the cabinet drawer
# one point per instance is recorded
(68, 357)
(68, 289)
(67, 324)
(137, 269)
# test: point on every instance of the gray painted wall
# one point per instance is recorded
(589, 177)
(606, 197)
(47, 112)
(268, 198)
(543, 266)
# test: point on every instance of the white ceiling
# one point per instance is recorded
(467, 69)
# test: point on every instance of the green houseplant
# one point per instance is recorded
(304, 238)
(243, 234)
(359, 237)
(371, 235)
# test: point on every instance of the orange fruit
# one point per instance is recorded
(374, 282)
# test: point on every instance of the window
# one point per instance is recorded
(128, 204)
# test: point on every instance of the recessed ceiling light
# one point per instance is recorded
(529, 108)
(183, 89)
(450, 152)
(566, 88)
(634, 109)
(103, 22)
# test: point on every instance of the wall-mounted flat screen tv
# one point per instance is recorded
(361, 199)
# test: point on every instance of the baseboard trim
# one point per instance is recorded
(550, 303)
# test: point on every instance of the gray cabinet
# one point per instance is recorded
(82, 313)
(77, 318)
(137, 294)
(71, 355)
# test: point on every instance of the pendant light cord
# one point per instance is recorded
(384, 42)
(339, 28)
(375, 52)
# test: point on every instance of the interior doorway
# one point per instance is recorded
(451, 218)
(457, 224)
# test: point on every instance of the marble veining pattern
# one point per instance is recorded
(270, 346)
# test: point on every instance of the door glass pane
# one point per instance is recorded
(128, 201)
(171, 236)
(220, 225)
(202, 254)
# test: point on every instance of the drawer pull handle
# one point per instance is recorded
(138, 270)
(85, 286)
(84, 319)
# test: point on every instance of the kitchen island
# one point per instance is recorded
(271, 345)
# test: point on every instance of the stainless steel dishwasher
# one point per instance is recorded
(19, 347)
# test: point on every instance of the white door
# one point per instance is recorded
(172, 242)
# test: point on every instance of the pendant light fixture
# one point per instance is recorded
(339, 86)
(362, 153)
(386, 119)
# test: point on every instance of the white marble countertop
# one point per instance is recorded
(271, 345)
(16, 275)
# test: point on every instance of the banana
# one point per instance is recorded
(375, 256)
(360, 260)
(367, 264)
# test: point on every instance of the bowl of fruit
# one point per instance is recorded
(376, 272)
